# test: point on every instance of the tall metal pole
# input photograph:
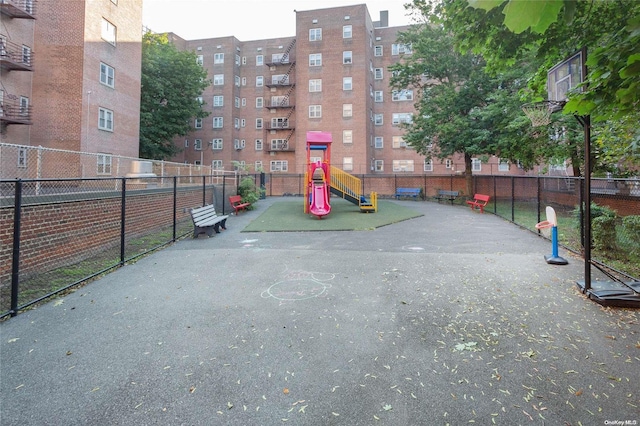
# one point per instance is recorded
(586, 123)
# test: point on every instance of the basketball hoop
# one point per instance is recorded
(545, 228)
(538, 112)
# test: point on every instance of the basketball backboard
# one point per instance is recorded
(564, 76)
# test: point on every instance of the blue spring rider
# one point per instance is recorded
(552, 222)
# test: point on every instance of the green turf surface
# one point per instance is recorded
(344, 216)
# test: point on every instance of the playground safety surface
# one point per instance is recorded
(451, 317)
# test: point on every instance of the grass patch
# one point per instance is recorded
(345, 216)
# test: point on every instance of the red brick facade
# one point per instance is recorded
(64, 86)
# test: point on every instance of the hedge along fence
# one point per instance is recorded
(67, 235)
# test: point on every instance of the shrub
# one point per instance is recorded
(248, 190)
(596, 212)
(603, 231)
(631, 229)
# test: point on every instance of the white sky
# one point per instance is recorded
(248, 19)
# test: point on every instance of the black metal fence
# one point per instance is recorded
(58, 233)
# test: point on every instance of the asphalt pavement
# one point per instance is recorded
(453, 318)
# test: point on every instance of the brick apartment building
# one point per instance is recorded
(332, 76)
(70, 75)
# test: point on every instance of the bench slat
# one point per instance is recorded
(237, 204)
(479, 201)
(206, 220)
(407, 192)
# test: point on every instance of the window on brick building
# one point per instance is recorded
(378, 165)
(259, 60)
(347, 110)
(398, 142)
(347, 136)
(216, 144)
(218, 79)
(26, 55)
(218, 101)
(347, 83)
(401, 49)
(377, 50)
(315, 34)
(218, 122)
(402, 165)
(197, 144)
(347, 57)
(315, 85)
(378, 96)
(104, 164)
(279, 166)
(259, 145)
(22, 158)
(402, 95)
(107, 75)
(399, 118)
(378, 142)
(108, 32)
(218, 58)
(347, 164)
(197, 123)
(105, 119)
(315, 111)
(428, 165)
(315, 59)
(259, 102)
(347, 31)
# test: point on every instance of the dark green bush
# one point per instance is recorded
(603, 231)
(631, 229)
(596, 212)
(248, 190)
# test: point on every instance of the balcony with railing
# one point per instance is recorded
(279, 124)
(13, 112)
(280, 145)
(21, 9)
(14, 57)
(279, 80)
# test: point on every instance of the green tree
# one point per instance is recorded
(504, 31)
(172, 81)
(460, 107)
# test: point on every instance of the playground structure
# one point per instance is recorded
(321, 180)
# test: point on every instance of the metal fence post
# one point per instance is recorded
(123, 217)
(175, 206)
(15, 262)
(513, 200)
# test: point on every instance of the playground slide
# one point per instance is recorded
(319, 203)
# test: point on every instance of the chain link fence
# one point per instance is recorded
(57, 233)
(58, 230)
(29, 162)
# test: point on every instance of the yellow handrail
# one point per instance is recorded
(345, 182)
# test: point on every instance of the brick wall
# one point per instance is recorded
(62, 233)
